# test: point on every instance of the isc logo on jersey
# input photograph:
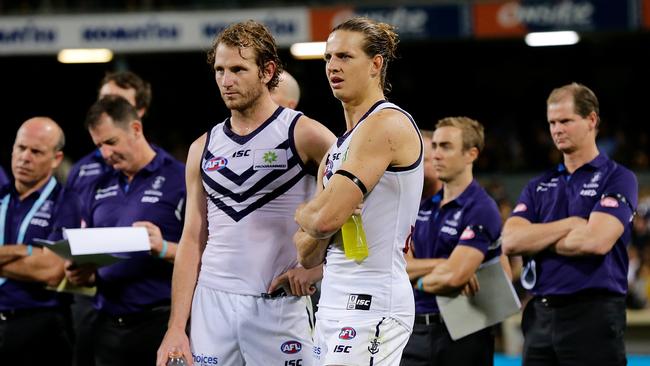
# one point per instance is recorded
(291, 347)
(215, 164)
(347, 333)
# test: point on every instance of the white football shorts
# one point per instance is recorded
(359, 341)
(228, 329)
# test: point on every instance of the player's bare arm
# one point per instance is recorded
(312, 141)
(386, 138)
(311, 251)
(188, 257)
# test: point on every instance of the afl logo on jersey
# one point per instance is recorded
(215, 164)
(291, 347)
(347, 333)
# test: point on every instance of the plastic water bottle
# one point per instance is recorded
(175, 358)
(355, 246)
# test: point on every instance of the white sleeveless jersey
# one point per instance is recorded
(254, 184)
(379, 285)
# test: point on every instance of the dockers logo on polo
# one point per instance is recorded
(270, 159)
(359, 302)
(215, 164)
(158, 182)
(347, 333)
(593, 183)
(203, 360)
(291, 347)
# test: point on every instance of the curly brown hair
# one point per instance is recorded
(256, 36)
(380, 39)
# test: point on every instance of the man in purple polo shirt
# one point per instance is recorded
(572, 225)
(146, 187)
(454, 233)
(81, 180)
(136, 91)
(34, 206)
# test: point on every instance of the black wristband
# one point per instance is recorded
(354, 180)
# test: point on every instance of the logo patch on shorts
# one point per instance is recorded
(347, 333)
(205, 360)
(291, 347)
(373, 348)
(359, 302)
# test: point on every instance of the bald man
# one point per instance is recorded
(287, 93)
(34, 206)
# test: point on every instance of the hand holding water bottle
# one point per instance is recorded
(355, 245)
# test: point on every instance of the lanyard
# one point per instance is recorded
(28, 218)
(4, 207)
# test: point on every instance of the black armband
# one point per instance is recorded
(354, 180)
(619, 197)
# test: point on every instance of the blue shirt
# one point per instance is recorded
(3, 177)
(60, 210)
(556, 195)
(472, 219)
(156, 194)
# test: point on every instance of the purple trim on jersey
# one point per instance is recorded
(556, 195)
(417, 162)
(3, 177)
(207, 155)
(341, 139)
(61, 210)
(238, 215)
(439, 230)
(294, 149)
(240, 179)
(156, 194)
(227, 128)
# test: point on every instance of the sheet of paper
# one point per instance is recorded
(107, 240)
(495, 301)
(62, 249)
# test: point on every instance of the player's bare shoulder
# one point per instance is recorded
(312, 139)
(392, 130)
(195, 152)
